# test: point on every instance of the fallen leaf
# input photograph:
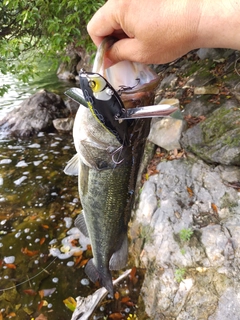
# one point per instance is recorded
(78, 253)
(74, 242)
(125, 299)
(30, 292)
(10, 265)
(11, 315)
(77, 259)
(33, 217)
(29, 252)
(83, 262)
(45, 226)
(116, 295)
(70, 303)
(42, 240)
(116, 316)
(89, 248)
(40, 305)
(214, 207)
(190, 192)
(46, 292)
(133, 273)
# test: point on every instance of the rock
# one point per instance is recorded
(72, 106)
(185, 229)
(216, 140)
(169, 81)
(64, 74)
(213, 54)
(63, 124)
(166, 133)
(35, 114)
(206, 90)
(67, 70)
(199, 106)
(188, 278)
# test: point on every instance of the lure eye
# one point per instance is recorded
(92, 84)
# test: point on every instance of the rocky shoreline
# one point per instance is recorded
(185, 229)
(186, 224)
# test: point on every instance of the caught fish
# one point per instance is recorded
(109, 145)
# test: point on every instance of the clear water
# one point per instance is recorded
(19, 91)
(38, 204)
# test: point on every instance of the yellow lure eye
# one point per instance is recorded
(92, 84)
(96, 83)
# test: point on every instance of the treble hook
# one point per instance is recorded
(114, 153)
(123, 88)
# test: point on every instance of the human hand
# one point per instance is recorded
(159, 31)
(153, 31)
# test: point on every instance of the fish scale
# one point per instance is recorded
(107, 163)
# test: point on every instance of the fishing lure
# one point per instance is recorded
(105, 104)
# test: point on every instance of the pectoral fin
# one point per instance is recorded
(81, 224)
(72, 167)
(119, 258)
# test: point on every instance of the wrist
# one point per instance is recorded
(219, 25)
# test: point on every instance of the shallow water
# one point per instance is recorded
(38, 204)
(19, 91)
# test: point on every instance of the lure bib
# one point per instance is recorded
(105, 104)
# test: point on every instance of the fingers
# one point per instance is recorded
(102, 24)
(123, 49)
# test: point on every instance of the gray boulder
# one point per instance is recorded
(217, 139)
(186, 233)
(35, 114)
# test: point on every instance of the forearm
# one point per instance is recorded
(219, 25)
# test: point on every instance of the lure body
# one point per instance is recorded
(105, 104)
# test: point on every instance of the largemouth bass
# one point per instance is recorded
(108, 156)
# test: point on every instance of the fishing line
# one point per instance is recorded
(29, 279)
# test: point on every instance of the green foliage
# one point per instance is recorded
(185, 234)
(183, 251)
(180, 274)
(43, 28)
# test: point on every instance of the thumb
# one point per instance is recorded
(123, 49)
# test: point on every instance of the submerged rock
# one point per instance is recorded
(35, 114)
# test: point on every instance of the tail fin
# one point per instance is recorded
(105, 278)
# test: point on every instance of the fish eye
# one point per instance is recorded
(92, 84)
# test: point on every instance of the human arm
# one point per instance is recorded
(159, 31)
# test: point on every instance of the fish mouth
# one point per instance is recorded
(136, 83)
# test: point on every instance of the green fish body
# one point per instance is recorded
(107, 165)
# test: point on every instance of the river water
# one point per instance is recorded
(38, 204)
